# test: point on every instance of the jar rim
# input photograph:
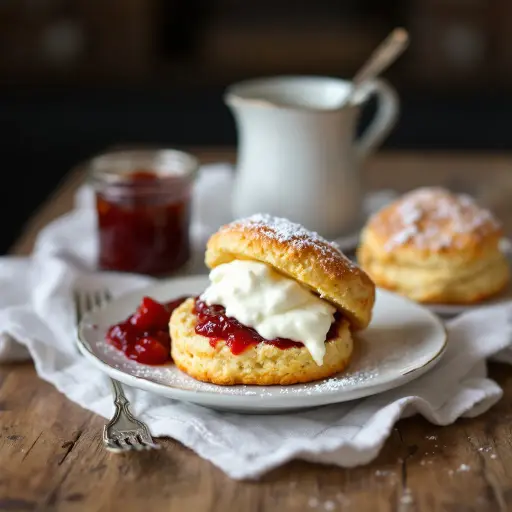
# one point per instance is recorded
(115, 167)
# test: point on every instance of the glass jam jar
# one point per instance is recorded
(143, 202)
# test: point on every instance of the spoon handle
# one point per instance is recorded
(383, 56)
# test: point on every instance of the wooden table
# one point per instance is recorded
(51, 457)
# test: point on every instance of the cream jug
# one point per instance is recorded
(297, 153)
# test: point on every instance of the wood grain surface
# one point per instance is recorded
(51, 457)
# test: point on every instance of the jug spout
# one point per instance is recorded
(314, 93)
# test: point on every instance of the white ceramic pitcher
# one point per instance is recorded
(297, 153)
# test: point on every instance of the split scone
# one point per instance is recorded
(435, 247)
(279, 310)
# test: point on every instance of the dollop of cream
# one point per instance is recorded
(274, 305)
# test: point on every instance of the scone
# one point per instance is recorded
(435, 247)
(279, 310)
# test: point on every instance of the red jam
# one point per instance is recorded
(144, 336)
(213, 323)
(143, 223)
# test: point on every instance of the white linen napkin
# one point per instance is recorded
(37, 313)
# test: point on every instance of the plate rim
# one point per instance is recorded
(258, 402)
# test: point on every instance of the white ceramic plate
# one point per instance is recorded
(403, 341)
(449, 310)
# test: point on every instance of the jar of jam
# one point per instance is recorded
(143, 209)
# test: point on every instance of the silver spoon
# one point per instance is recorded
(385, 54)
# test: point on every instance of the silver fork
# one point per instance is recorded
(123, 432)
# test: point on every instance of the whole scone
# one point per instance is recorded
(291, 251)
(434, 246)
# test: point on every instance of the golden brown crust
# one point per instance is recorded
(300, 254)
(262, 364)
(435, 247)
(434, 220)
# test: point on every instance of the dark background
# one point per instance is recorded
(77, 76)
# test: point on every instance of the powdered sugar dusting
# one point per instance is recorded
(431, 218)
(346, 381)
(285, 231)
(351, 379)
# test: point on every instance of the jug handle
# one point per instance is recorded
(385, 118)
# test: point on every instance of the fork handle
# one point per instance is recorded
(123, 418)
(119, 397)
